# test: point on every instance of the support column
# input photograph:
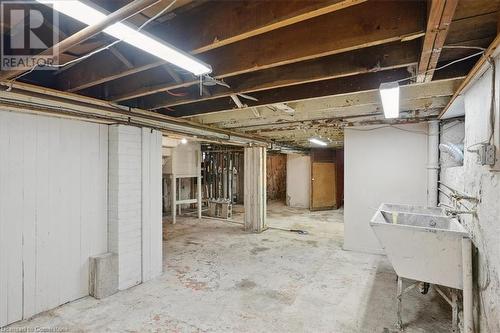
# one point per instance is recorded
(255, 189)
(198, 183)
(134, 203)
(433, 163)
(124, 202)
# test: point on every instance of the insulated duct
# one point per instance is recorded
(456, 151)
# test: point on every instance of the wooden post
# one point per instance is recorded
(255, 189)
(198, 184)
(173, 185)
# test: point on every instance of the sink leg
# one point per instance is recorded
(399, 299)
(454, 311)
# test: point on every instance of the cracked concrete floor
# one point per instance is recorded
(217, 278)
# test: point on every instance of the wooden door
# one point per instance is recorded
(323, 186)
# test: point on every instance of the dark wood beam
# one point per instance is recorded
(337, 86)
(375, 58)
(439, 19)
(205, 27)
(365, 25)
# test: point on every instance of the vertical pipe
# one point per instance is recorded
(198, 183)
(433, 163)
(230, 173)
(174, 197)
(179, 190)
(467, 280)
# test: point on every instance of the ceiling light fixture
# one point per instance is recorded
(317, 142)
(91, 16)
(184, 141)
(389, 93)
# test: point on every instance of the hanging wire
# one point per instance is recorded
(443, 66)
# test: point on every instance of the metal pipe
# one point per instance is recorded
(467, 285)
(433, 163)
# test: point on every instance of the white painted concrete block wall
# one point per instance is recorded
(484, 182)
(125, 182)
(381, 165)
(53, 210)
(135, 203)
(152, 265)
(298, 180)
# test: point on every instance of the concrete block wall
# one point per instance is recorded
(483, 182)
(134, 208)
(124, 202)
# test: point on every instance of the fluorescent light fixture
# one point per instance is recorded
(184, 141)
(90, 16)
(389, 93)
(317, 142)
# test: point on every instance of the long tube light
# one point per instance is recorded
(317, 142)
(389, 93)
(90, 16)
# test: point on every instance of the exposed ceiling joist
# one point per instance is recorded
(337, 86)
(204, 28)
(375, 58)
(350, 29)
(438, 23)
(413, 97)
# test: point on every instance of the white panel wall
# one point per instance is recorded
(53, 210)
(381, 165)
(298, 180)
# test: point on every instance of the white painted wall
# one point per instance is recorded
(483, 182)
(186, 158)
(298, 180)
(152, 241)
(53, 210)
(135, 220)
(382, 165)
(125, 197)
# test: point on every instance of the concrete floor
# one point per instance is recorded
(220, 279)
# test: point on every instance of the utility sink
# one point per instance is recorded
(422, 243)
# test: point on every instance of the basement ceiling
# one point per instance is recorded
(298, 68)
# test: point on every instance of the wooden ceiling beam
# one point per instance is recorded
(438, 23)
(337, 86)
(375, 58)
(368, 24)
(206, 27)
(331, 106)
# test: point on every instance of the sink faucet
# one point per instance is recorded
(453, 211)
(456, 194)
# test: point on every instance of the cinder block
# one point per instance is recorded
(103, 275)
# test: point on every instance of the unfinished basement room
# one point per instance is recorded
(322, 166)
